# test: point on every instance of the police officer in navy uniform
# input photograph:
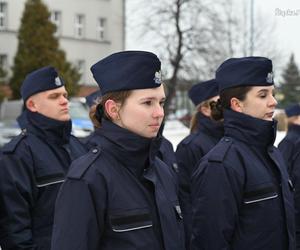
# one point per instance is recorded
(287, 145)
(120, 195)
(205, 134)
(241, 193)
(34, 164)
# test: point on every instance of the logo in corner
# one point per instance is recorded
(270, 77)
(58, 81)
(157, 77)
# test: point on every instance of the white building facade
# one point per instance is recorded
(88, 30)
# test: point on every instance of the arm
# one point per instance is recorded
(78, 221)
(186, 165)
(295, 177)
(17, 200)
(217, 193)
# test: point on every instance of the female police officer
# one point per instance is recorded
(205, 134)
(120, 196)
(242, 197)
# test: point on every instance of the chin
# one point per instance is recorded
(64, 118)
(150, 135)
(268, 119)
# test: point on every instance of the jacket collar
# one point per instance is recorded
(252, 131)
(294, 129)
(48, 129)
(209, 126)
(133, 151)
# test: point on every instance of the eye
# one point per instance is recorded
(148, 103)
(54, 96)
(162, 103)
(262, 95)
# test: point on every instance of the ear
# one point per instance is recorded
(236, 104)
(112, 109)
(31, 105)
(205, 110)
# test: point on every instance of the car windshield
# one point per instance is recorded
(78, 110)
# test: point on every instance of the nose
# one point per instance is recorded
(64, 100)
(158, 112)
(273, 102)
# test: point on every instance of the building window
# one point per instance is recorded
(81, 69)
(79, 26)
(56, 19)
(101, 29)
(3, 15)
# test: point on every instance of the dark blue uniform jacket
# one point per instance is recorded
(288, 145)
(290, 148)
(189, 151)
(242, 195)
(32, 168)
(119, 196)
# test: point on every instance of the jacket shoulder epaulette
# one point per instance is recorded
(11, 146)
(220, 150)
(187, 140)
(82, 164)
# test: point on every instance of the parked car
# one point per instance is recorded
(9, 127)
(81, 123)
(8, 130)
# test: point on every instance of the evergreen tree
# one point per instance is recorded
(38, 47)
(3, 74)
(290, 87)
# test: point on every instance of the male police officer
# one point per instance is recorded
(34, 164)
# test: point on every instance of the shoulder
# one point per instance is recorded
(189, 139)
(13, 144)
(219, 152)
(224, 157)
(165, 143)
(83, 163)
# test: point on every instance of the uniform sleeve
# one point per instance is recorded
(79, 217)
(17, 200)
(216, 194)
(286, 148)
(187, 162)
(295, 177)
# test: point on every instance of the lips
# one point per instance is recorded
(65, 110)
(270, 114)
(155, 126)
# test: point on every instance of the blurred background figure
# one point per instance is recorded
(205, 134)
(287, 145)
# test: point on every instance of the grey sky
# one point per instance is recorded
(286, 16)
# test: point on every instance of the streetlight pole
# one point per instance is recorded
(252, 28)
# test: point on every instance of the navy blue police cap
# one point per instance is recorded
(292, 110)
(40, 80)
(245, 71)
(203, 91)
(92, 98)
(127, 70)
